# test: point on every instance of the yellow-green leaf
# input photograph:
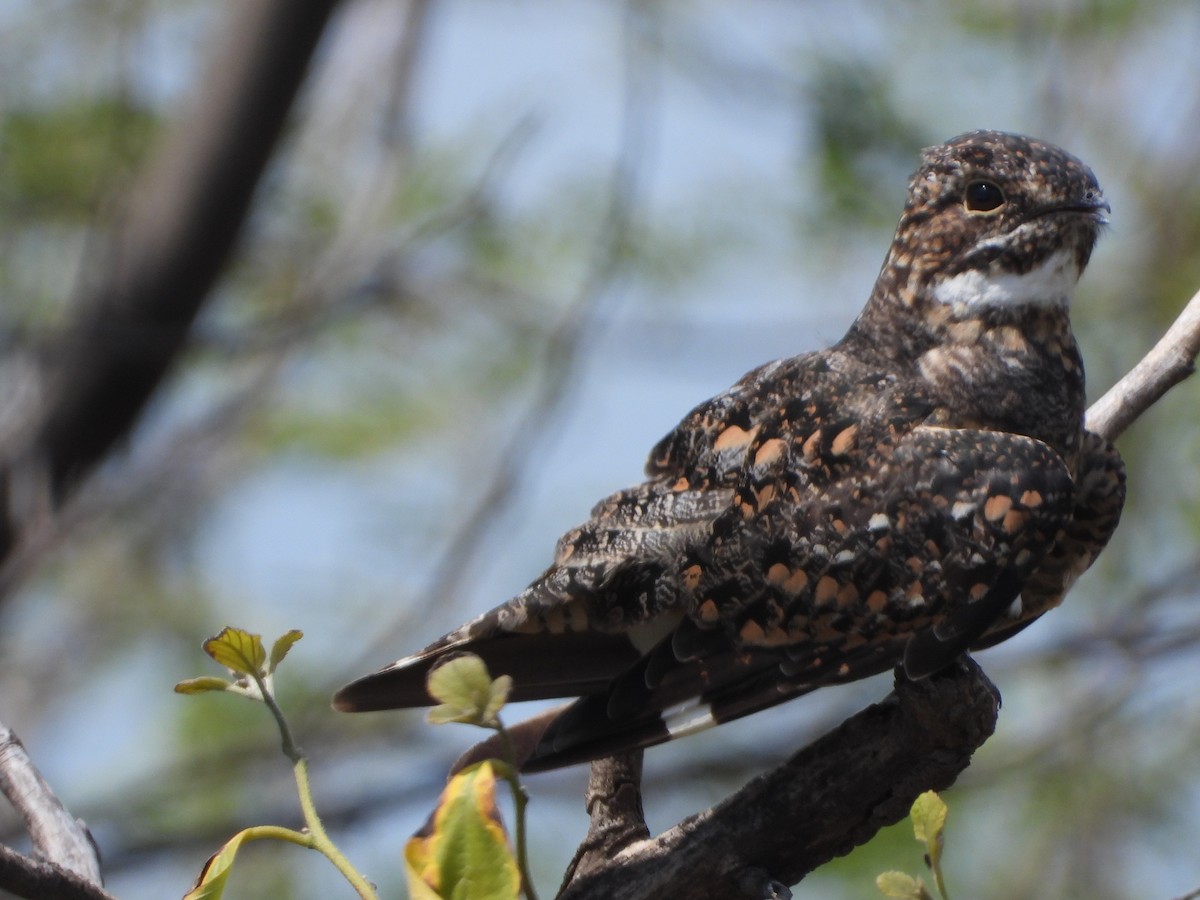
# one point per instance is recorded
(211, 883)
(497, 696)
(238, 650)
(417, 866)
(462, 853)
(466, 692)
(202, 684)
(929, 822)
(281, 647)
(902, 886)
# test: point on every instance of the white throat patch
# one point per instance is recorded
(1049, 284)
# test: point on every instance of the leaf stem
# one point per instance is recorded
(318, 838)
(520, 801)
(321, 841)
(288, 743)
(937, 879)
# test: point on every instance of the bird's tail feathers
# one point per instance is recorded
(543, 639)
(593, 727)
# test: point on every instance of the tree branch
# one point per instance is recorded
(1170, 361)
(614, 805)
(62, 840)
(180, 228)
(825, 800)
(37, 880)
(56, 834)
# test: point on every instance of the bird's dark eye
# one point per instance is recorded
(983, 196)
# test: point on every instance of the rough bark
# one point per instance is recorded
(37, 879)
(68, 863)
(827, 799)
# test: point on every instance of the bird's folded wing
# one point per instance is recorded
(961, 519)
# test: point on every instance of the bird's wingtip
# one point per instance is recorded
(397, 686)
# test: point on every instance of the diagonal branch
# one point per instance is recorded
(69, 866)
(179, 230)
(1170, 361)
(566, 341)
(825, 800)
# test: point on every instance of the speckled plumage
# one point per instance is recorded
(922, 487)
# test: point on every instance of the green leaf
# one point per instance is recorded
(211, 883)
(928, 816)
(203, 684)
(497, 697)
(902, 886)
(238, 650)
(281, 647)
(466, 692)
(462, 853)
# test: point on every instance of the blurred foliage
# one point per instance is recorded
(58, 162)
(388, 317)
(1082, 20)
(865, 144)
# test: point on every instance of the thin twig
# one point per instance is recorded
(1170, 361)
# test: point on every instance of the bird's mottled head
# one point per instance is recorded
(995, 219)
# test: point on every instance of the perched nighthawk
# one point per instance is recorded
(923, 487)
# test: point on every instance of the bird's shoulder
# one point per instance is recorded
(807, 409)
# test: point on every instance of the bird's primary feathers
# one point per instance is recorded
(923, 487)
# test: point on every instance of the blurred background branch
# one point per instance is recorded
(574, 331)
(161, 259)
